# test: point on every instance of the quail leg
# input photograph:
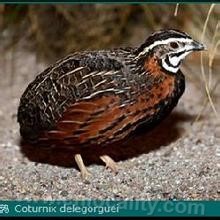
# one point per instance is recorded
(110, 163)
(84, 171)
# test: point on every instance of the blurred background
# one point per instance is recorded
(56, 30)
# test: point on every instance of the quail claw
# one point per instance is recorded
(84, 171)
(110, 163)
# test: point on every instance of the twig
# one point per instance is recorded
(202, 64)
(176, 9)
(206, 101)
(213, 52)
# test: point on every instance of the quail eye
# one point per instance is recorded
(174, 45)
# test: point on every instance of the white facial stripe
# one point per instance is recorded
(175, 60)
(169, 68)
(187, 48)
(167, 41)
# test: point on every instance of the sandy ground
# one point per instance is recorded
(176, 160)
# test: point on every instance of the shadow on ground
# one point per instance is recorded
(142, 142)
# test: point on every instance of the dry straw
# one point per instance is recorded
(207, 83)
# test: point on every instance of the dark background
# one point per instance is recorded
(56, 30)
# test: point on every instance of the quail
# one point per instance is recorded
(100, 97)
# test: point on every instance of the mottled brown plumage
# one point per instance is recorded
(100, 97)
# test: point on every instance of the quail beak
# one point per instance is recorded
(196, 46)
